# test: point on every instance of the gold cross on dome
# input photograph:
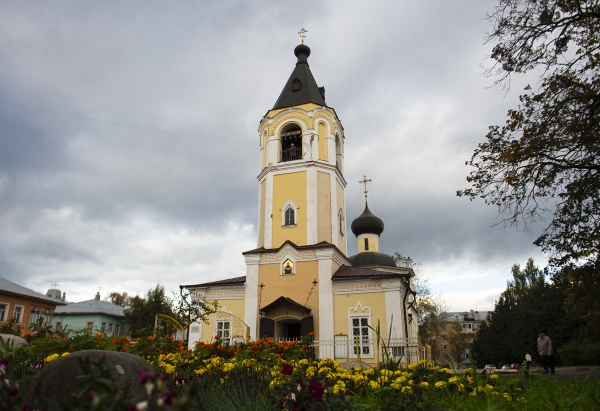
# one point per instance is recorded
(365, 181)
(302, 34)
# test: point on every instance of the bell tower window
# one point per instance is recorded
(366, 244)
(289, 211)
(290, 216)
(291, 144)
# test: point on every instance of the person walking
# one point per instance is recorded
(528, 360)
(546, 352)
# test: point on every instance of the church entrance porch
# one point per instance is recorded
(285, 319)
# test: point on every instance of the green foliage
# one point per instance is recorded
(10, 327)
(580, 352)
(544, 161)
(527, 305)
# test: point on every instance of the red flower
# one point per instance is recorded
(311, 334)
(287, 369)
(316, 390)
(217, 337)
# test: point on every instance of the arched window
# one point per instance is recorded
(47, 317)
(291, 143)
(34, 315)
(290, 216)
(288, 213)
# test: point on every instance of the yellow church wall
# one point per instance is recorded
(322, 130)
(261, 216)
(324, 206)
(342, 303)
(263, 151)
(289, 186)
(373, 243)
(305, 107)
(236, 307)
(340, 204)
(295, 286)
(334, 267)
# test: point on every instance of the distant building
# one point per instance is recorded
(25, 305)
(458, 334)
(94, 315)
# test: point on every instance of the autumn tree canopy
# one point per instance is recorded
(544, 162)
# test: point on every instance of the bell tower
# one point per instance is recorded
(301, 182)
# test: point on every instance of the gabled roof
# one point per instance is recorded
(91, 307)
(346, 272)
(322, 244)
(288, 301)
(227, 281)
(301, 87)
(11, 288)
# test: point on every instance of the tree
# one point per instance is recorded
(545, 160)
(528, 304)
(457, 342)
(430, 308)
(140, 313)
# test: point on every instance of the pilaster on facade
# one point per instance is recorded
(311, 212)
(326, 323)
(251, 295)
(268, 233)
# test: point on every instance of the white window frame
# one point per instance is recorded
(110, 329)
(223, 330)
(118, 329)
(287, 205)
(58, 326)
(21, 312)
(103, 329)
(365, 344)
(47, 316)
(4, 314)
(89, 326)
(33, 317)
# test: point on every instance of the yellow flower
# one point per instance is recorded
(303, 362)
(310, 371)
(440, 384)
(412, 366)
(494, 377)
(374, 385)
(422, 362)
(424, 385)
(65, 354)
(50, 358)
(454, 380)
(489, 388)
(468, 371)
(473, 393)
(521, 399)
(407, 390)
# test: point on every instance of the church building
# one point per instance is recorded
(299, 279)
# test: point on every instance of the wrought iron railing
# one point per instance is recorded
(290, 154)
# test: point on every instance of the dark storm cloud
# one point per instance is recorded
(90, 204)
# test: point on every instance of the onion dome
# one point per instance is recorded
(367, 223)
(302, 49)
(372, 259)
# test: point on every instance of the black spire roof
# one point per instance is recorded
(367, 223)
(301, 88)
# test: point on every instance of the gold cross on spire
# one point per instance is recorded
(302, 34)
(365, 181)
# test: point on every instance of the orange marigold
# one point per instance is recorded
(311, 334)
(150, 338)
(170, 338)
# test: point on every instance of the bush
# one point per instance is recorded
(578, 352)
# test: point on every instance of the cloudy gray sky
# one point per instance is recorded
(93, 205)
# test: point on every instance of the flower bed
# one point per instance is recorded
(285, 375)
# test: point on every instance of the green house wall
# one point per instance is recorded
(76, 322)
